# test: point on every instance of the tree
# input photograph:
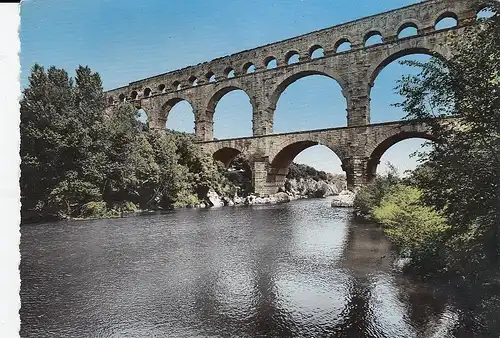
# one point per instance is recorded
(462, 175)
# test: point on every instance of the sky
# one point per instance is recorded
(129, 40)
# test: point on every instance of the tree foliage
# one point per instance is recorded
(77, 160)
(462, 176)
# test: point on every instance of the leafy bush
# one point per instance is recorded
(98, 210)
(415, 228)
(370, 196)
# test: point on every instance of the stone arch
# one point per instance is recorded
(229, 72)
(377, 150)
(371, 34)
(147, 92)
(392, 56)
(166, 107)
(122, 97)
(444, 15)
(134, 94)
(269, 60)
(340, 42)
(484, 11)
(248, 67)
(162, 88)
(297, 74)
(408, 24)
(210, 77)
(226, 155)
(283, 153)
(316, 49)
(214, 99)
(111, 100)
(176, 85)
(282, 157)
(193, 81)
(290, 55)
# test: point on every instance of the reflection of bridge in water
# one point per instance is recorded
(359, 145)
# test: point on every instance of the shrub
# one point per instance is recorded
(415, 228)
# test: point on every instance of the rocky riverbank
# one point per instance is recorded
(292, 190)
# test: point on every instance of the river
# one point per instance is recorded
(301, 269)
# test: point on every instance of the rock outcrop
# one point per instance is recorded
(306, 188)
(345, 199)
(214, 200)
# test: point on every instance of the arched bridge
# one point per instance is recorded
(341, 53)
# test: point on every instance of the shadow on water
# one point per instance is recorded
(300, 269)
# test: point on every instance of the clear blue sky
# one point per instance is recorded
(129, 40)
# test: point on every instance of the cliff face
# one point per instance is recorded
(308, 187)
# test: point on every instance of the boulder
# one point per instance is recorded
(281, 197)
(238, 200)
(345, 199)
(214, 199)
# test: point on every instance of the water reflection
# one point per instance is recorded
(296, 270)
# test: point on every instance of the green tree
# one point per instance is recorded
(462, 176)
(415, 228)
(60, 162)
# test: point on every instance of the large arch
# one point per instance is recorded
(178, 114)
(285, 155)
(318, 90)
(232, 120)
(377, 104)
(296, 74)
(226, 155)
(392, 56)
(378, 151)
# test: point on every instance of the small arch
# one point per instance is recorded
(446, 20)
(161, 88)
(271, 62)
(133, 95)
(229, 72)
(111, 100)
(248, 68)
(292, 57)
(147, 92)
(226, 155)
(408, 29)
(373, 38)
(193, 81)
(316, 51)
(485, 13)
(176, 85)
(383, 146)
(121, 98)
(210, 76)
(343, 45)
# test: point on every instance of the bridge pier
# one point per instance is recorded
(356, 169)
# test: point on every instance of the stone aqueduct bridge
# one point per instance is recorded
(359, 145)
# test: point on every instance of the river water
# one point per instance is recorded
(301, 269)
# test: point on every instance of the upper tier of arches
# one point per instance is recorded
(315, 46)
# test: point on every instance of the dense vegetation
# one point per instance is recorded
(446, 215)
(78, 161)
